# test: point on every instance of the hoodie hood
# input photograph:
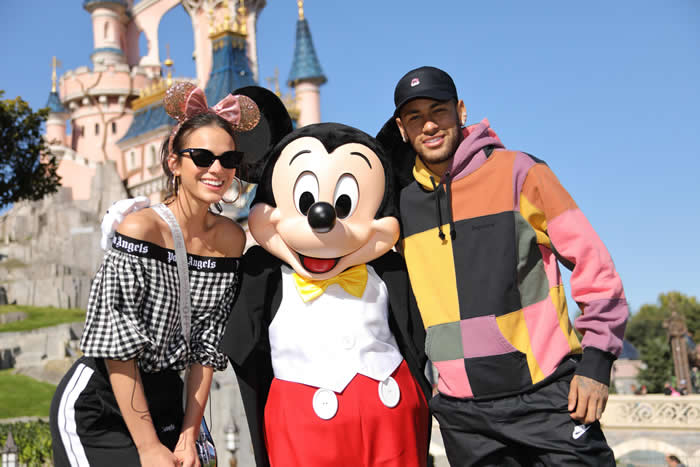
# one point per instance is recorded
(467, 158)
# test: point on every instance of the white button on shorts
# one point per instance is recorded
(325, 403)
(348, 342)
(389, 392)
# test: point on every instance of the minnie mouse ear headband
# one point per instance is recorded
(256, 143)
(184, 100)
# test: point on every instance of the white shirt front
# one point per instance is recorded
(327, 341)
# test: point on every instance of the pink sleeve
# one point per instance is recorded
(595, 284)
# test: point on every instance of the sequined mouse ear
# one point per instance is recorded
(250, 114)
(175, 101)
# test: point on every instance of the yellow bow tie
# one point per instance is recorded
(353, 280)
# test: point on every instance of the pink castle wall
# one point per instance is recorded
(308, 100)
(107, 29)
(104, 95)
(147, 20)
(77, 176)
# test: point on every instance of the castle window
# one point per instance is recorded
(132, 161)
(114, 128)
(152, 158)
(106, 29)
(97, 129)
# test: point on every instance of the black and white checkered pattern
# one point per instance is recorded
(133, 311)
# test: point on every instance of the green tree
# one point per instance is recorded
(27, 169)
(646, 324)
(656, 355)
(646, 331)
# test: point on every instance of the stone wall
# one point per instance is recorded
(49, 249)
(34, 348)
(654, 422)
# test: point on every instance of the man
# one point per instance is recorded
(482, 229)
(673, 461)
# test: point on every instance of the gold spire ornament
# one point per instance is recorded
(168, 63)
(300, 4)
(236, 27)
(287, 99)
(275, 81)
(227, 15)
(243, 19)
(55, 63)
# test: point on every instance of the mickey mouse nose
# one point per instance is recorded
(321, 217)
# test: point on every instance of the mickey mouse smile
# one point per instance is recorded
(318, 265)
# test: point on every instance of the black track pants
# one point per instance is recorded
(532, 429)
(87, 428)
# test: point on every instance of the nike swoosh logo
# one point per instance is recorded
(579, 430)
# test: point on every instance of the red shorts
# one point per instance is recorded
(363, 432)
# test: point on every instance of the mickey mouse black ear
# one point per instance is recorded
(401, 154)
(275, 124)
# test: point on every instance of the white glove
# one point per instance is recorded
(116, 214)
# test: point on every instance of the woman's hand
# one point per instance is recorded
(156, 454)
(186, 452)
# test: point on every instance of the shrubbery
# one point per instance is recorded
(33, 440)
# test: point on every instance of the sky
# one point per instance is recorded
(607, 93)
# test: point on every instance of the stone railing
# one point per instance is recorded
(652, 412)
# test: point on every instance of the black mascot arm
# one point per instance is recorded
(246, 342)
(404, 318)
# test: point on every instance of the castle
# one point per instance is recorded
(116, 108)
(49, 249)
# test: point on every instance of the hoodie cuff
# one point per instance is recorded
(596, 364)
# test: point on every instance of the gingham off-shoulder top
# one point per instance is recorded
(133, 309)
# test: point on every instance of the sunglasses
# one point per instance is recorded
(205, 158)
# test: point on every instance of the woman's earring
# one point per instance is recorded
(238, 193)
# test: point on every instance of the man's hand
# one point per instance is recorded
(587, 399)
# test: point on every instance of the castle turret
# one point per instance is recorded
(56, 123)
(230, 68)
(109, 21)
(306, 76)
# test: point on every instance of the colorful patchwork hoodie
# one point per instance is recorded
(482, 245)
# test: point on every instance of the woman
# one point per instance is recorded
(121, 403)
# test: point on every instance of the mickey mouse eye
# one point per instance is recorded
(346, 196)
(305, 192)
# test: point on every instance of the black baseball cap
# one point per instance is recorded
(426, 81)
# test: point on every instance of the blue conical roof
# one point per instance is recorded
(305, 65)
(148, 119)
(54, 103)
(230, 69)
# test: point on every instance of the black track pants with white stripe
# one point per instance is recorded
(87, 427)
(525, 430)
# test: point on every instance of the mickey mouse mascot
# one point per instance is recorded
(325, 336)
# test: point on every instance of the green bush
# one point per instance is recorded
(40, 317)
(33, 440)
